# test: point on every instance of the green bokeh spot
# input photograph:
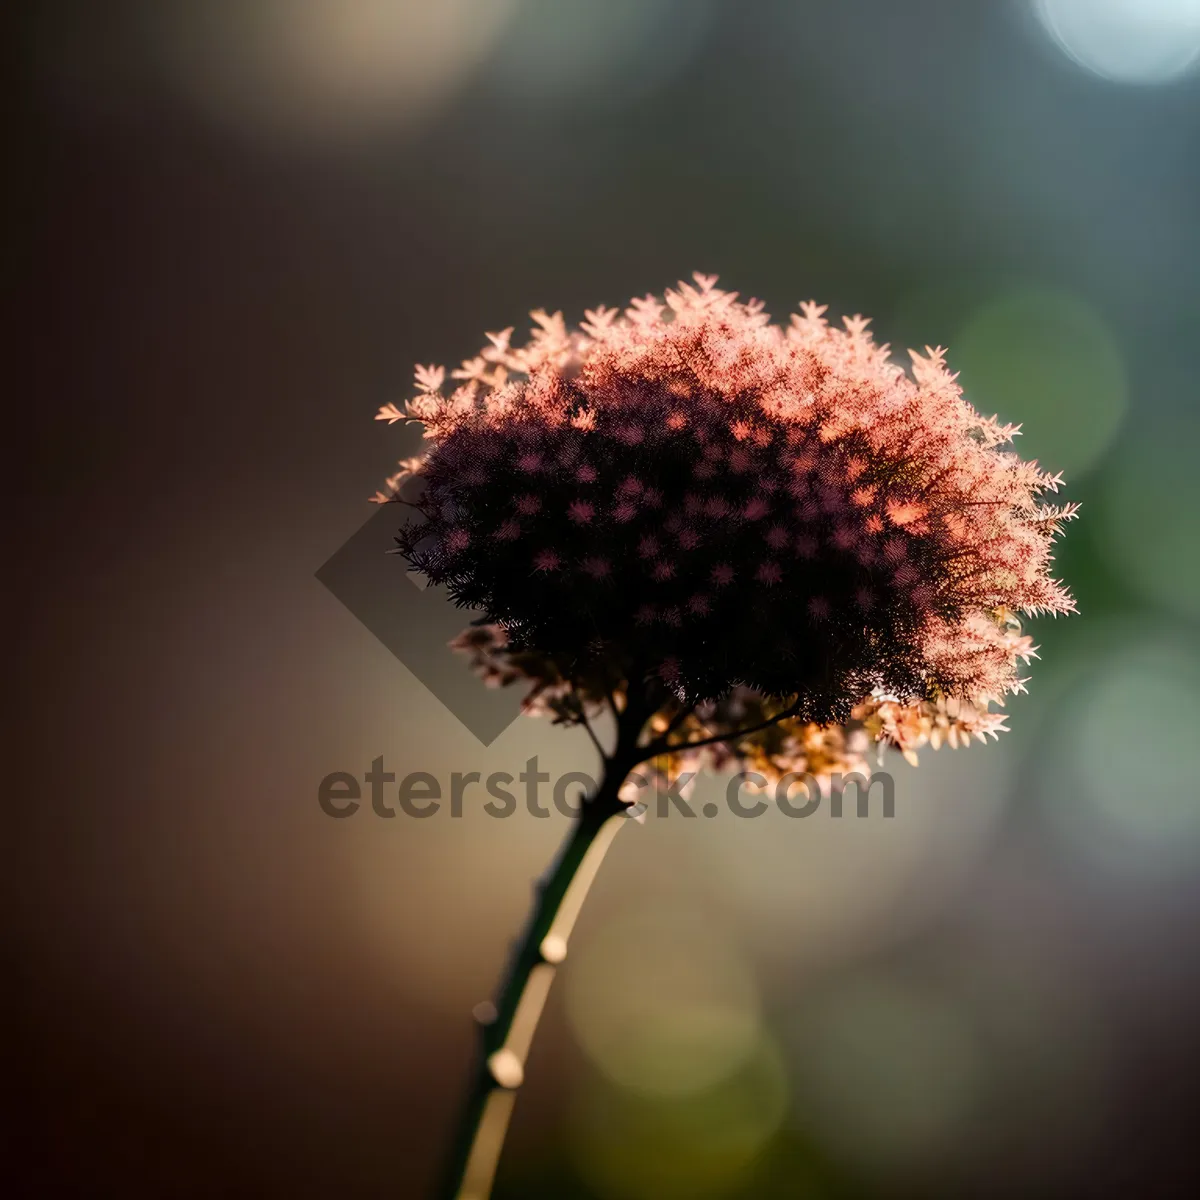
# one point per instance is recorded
(1045, 360)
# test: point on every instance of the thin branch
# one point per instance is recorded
(675, 722)
(662, 746)
(587, 724)
(678, 719)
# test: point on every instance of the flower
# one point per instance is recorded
(900, 522)
(649, 456)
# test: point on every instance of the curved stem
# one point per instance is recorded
(507, 1028)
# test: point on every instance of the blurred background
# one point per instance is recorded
(233, 229)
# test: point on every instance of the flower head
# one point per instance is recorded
(897, 524)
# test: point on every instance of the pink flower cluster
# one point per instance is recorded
(692, 491)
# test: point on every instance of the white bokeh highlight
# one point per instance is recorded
(1126, 41)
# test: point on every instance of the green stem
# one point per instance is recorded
(507, 1031)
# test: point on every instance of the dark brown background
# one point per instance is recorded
(224, 992)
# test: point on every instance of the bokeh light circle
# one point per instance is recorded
(1045, 360)
(634, 1147)
(1118, 779)
(321, 71)
(1126, 41)
(662, 1003)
